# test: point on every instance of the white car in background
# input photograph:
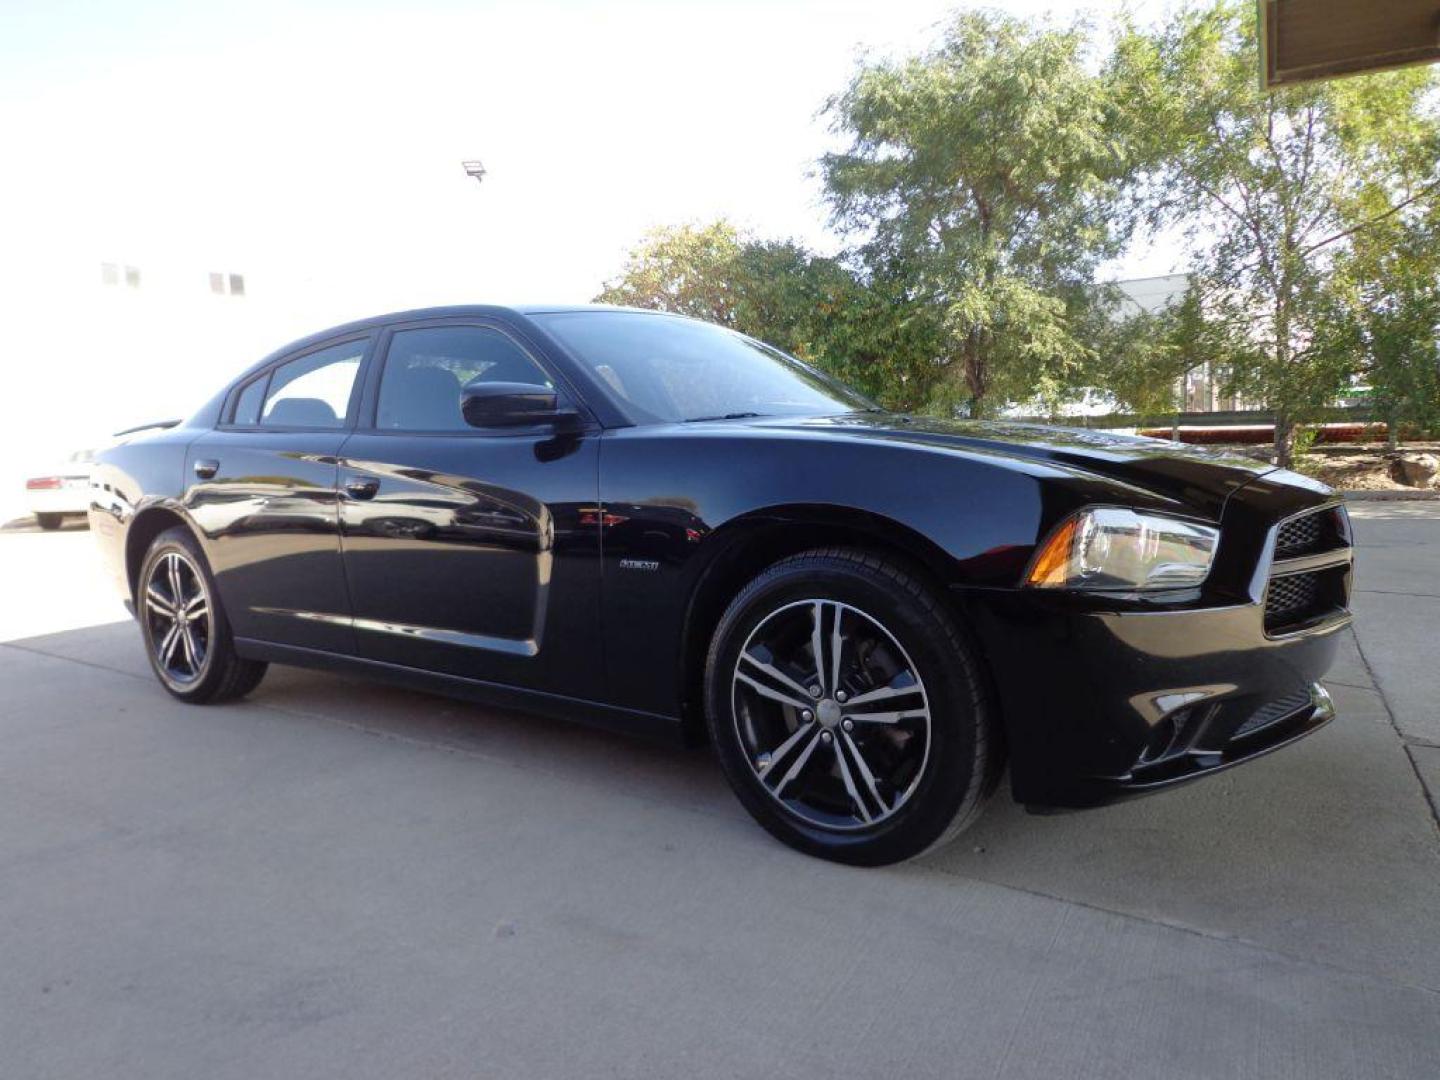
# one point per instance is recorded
(64, 490)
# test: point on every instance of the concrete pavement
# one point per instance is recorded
(1397, 604)
(340, 879)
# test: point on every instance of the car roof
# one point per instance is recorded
(561, 309)
(449, 311)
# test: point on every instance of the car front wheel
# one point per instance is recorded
(848, 711)
(187, 637)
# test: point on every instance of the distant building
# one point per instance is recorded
(1151, 294)
(147, 335)
(1200, 389)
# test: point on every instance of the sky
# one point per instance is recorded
(316, 147)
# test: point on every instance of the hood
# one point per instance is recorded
(1200, 478)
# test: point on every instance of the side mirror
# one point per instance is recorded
(507, 404)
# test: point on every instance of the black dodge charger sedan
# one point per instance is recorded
(653, 523)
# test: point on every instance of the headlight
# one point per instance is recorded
(1111, 548)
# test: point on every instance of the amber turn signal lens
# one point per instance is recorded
(1052, 565)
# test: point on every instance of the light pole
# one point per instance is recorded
(475, 169)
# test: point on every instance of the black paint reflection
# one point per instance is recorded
(271, 519)
(473, 555)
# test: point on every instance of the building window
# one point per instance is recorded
(116, 273)
(227, 284)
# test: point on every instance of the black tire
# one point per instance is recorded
(49, 522)
(216, 673)
(926, 801)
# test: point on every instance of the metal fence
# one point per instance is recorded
(1340, 414)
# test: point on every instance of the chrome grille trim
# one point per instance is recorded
(1309, 574)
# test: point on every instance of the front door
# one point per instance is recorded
(264, 498)
(470, 552)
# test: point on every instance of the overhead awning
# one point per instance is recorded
(1303, 40)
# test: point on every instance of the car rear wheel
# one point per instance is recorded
(187, 637)
(49, 522)
(848, 712)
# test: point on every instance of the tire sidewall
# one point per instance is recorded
(950, 771)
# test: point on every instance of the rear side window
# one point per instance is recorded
(313, 390)
(426, 369)
(247, 405)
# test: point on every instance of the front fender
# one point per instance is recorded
(675, 503)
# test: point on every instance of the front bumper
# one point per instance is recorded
(1211, 743)
(1109, 698)
(1102, 705)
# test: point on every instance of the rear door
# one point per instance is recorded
(264, 496)
(469, 551)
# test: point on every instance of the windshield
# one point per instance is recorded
(671, 369)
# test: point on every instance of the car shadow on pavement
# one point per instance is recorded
(27, 524)
(1325, 850)
(566, 751)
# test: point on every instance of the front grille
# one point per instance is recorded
(1295, 599)
(1291, 598)
(1280, 709)
(1298, 596)
(1300, 536)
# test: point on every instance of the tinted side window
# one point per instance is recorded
(314, 390)
(426, 369)
(247, 405)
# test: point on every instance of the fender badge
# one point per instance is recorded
(639, 564)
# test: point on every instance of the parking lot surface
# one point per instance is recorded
(338, 879)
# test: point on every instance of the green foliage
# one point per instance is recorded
(687, 270)
(987, 178)
(1144, 355)
(874, 334)
(1273, 189)
(1389, 312)
(987, 166)
(870, 333)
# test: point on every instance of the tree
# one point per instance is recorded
(867, 331)
(686, 269)
(1390, 315)
(768, 289)
(988, 169)
(1143, 356)
(872, 331)
(1273, 190)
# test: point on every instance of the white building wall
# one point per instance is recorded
(85, 359)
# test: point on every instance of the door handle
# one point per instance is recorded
(205, 468)
(360, 488)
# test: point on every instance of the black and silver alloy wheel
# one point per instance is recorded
(183, 622)
(177, 614)
(847, 709)
(832, 714)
